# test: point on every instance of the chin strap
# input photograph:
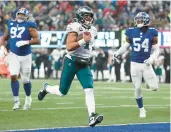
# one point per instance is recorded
(86, 26)
(20, 20)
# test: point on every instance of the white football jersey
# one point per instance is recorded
(84, 50)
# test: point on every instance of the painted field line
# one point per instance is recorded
(102, 97)
(83, 107)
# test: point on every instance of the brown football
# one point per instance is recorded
(79, 37)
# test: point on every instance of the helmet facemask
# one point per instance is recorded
(85, 16)
(22, 15)
(141, 20)
(88, 19)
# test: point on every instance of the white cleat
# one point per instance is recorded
(142, 113)
(17, 105)
(27, 104)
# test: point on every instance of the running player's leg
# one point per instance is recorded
(14, 68)
(150, 77)
(68, 73)
(85, 77)
(25, 73)
(136, 75)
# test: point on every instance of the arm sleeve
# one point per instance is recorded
(155, 51)
(122, 49)
(126, 45)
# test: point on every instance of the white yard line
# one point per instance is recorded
(65, 103)
(106, 90)
(101, 106)
(101, 96)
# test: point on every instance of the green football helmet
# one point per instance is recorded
(82, 12)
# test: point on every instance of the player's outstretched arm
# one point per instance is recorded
(123, 48)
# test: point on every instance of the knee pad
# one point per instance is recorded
(89, 90)
(138, 93)
(62, 92)
(25, 80)
(153, 84)
(61, 95)
(154, 87)
(14, 78)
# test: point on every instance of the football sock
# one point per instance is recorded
(16, 98)
(15, 87)
(89, 99)
(54, 90)
(27, 88)
(140, 102)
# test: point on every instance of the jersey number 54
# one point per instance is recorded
(138, 45)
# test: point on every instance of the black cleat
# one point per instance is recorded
(95, 119)
(42, 93)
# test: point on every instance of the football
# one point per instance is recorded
(80, 36)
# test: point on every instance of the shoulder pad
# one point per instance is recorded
(154, 31)
(94, 30)
(31, 24)
(128, 31)
(74, 27)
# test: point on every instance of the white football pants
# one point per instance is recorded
(139, 70)
(20, 65)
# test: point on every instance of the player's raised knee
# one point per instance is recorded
(154, 87)
(62, 93)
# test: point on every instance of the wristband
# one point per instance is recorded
(81, 42)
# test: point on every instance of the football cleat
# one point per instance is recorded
(42, 93)
(142, 113)
(17, 105)
(27, 104)
(95, 119)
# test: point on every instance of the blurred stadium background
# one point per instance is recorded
(112, 17)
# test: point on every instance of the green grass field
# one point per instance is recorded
(114, 100)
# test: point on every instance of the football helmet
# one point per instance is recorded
(142, 19)
(24, 17)
(82, 14)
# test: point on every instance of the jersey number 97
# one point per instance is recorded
(17, 32)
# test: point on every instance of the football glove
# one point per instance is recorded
(115, 57)
(22, 43)
(148, 61)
